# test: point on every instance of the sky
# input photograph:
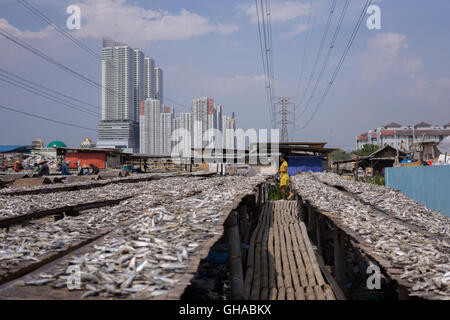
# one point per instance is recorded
(399, 73)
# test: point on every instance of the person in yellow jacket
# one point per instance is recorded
(284, 179)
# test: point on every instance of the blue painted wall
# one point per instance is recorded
(302, 164)
(427, 185)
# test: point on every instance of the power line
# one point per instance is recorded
(266, 54)
(177, 103)
(47, 119)
(305, 48)
(322, 41)
(272, 71)
(52, 61)
(59, 29)
(66, 34)
(264, 65)
(48, 89)
(341, 61)
(46, 92)
(330, 49)
(45, 95)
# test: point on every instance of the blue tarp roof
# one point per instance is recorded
(4, 149)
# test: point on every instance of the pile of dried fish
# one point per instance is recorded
(425, 260)
(144, 257)
(11, 206)
(36, 157)
(29, 244)
(12, 190)
(394, 203)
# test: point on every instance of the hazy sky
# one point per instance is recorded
(210, 48)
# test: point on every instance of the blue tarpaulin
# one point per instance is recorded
(302, 164)
(19, 148)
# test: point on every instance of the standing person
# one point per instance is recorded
(43, 169)
(145, 166)
(65, 169)
(17, 166)
(284, 179)
(95, 169)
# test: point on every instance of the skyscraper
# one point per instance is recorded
(212, 125)
(118, 127)
(166, 130)
(159, 84)
(150, 78)
(219, 111)
(199, 121)
(139, 80)
(229, 126)
(150, 127)
(186, 124)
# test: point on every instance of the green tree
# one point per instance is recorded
(366, 150)
(339, 155)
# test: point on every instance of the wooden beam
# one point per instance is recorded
(235, 262)
(339, 258)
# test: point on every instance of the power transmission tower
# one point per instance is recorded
(285, 103)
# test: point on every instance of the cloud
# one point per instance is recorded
(387, 44)
(387, 54)
(126, 22)
(388, 63)
(281, 11)
(295, 31)
(122, 21)
(4, 24)
(258, 78)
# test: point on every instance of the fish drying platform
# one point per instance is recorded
(191, 236)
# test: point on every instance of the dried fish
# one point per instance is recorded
(153, 235)
(424, 259)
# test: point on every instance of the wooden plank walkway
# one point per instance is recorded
(281, 263)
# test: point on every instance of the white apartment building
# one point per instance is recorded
(403, 137)
(150, 78)
(118, 128)
(186, 124)
(159, 84)
(228, 133)
(128, 77)
(150, 127)
(219, 115)
(199, 121)
(166, 122)
(139, 80)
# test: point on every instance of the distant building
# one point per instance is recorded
(119, 125)
(87, 143)
(166, 130)
(403, 137)
(150, 127)
(159, 84)
(37, 143)
(228, 134)
(150, 78)
(199, 121)
(128, 77)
